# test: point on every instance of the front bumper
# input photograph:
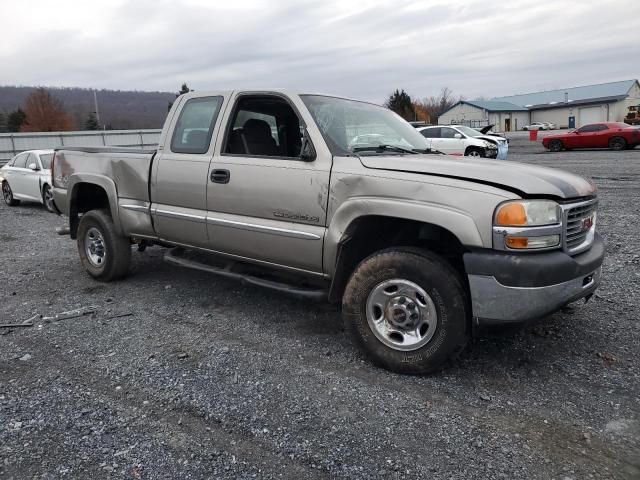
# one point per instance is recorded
(508, 287)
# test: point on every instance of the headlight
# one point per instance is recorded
(527, 225)
(527, 213)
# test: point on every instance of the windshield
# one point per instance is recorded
(350, 126)
(469, 132)
(46, 160)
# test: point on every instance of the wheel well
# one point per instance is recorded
(85, 197)
(472, 147)
(372, 233)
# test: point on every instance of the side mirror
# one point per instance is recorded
(33, 167)
(307, 151)
(457, 135)
(576, 132)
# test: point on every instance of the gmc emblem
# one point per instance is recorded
(587, 223)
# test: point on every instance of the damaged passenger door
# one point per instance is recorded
(268, 186)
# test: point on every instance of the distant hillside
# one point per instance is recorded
(118, 109)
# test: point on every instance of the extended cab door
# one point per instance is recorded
(265, 202)
(181, 167)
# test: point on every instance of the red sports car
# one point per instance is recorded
(616, 136)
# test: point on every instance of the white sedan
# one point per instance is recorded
(462, 140)
(536, 126)
(27, 176)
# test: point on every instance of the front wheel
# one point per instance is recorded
(617, 143)
(47, 198)
(473, 152)
(407, 310)
(555, 145)
(7, 194)
(103, 253)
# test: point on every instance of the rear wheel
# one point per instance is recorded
(47, 198)
(555, 145)
(407, 310)
(473, 152)
(617, 143)
(7, 194)
(103, 253)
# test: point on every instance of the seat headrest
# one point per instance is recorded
(256, 128)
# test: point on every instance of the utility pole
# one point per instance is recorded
(95, 102)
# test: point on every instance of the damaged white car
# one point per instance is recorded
(462, 140)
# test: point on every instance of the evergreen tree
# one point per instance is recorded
(3, 123)
(400, 102)
(91, 123)
(183, 89)
(15, 120)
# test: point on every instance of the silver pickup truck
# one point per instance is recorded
(340, 200)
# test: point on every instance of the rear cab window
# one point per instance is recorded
(193, 130)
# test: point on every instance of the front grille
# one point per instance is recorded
(576, 236)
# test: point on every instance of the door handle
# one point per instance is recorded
(220, 176)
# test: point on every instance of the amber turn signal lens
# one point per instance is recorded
(516, 242)
(511, 214)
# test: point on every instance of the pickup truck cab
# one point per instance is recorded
(271, 188)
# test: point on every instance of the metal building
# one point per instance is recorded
(566, 107)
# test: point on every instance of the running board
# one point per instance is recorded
(172, 256)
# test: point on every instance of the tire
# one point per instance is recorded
(103, 253)
(435, 290)
(47, 199)
(617, 143)
(7, 194)
(555, 145)
(473, 152)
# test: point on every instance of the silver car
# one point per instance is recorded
(27, 176)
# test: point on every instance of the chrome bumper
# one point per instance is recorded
(493, 302)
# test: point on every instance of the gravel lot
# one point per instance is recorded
(208, 378)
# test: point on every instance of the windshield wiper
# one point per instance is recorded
(383, 148)
(428, 151)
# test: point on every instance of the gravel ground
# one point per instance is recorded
(208, 378)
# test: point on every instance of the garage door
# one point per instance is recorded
(591, 115)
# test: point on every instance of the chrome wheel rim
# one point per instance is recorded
(6, 192)
(48, 198)
(94, 247)
(401, 314)
(474, 153)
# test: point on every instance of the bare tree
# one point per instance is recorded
(45, 113)
(437, 105)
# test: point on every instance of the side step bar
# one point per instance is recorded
(172, 256)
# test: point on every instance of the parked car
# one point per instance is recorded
(615, 135)
(550, 126)
(536, 126)
(417, 248)
(27, 176)
(462, 140)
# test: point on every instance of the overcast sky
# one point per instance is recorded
(363, 49)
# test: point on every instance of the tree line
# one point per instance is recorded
(42, 112)
(426, 110)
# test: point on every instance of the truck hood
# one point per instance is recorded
(522, 179)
